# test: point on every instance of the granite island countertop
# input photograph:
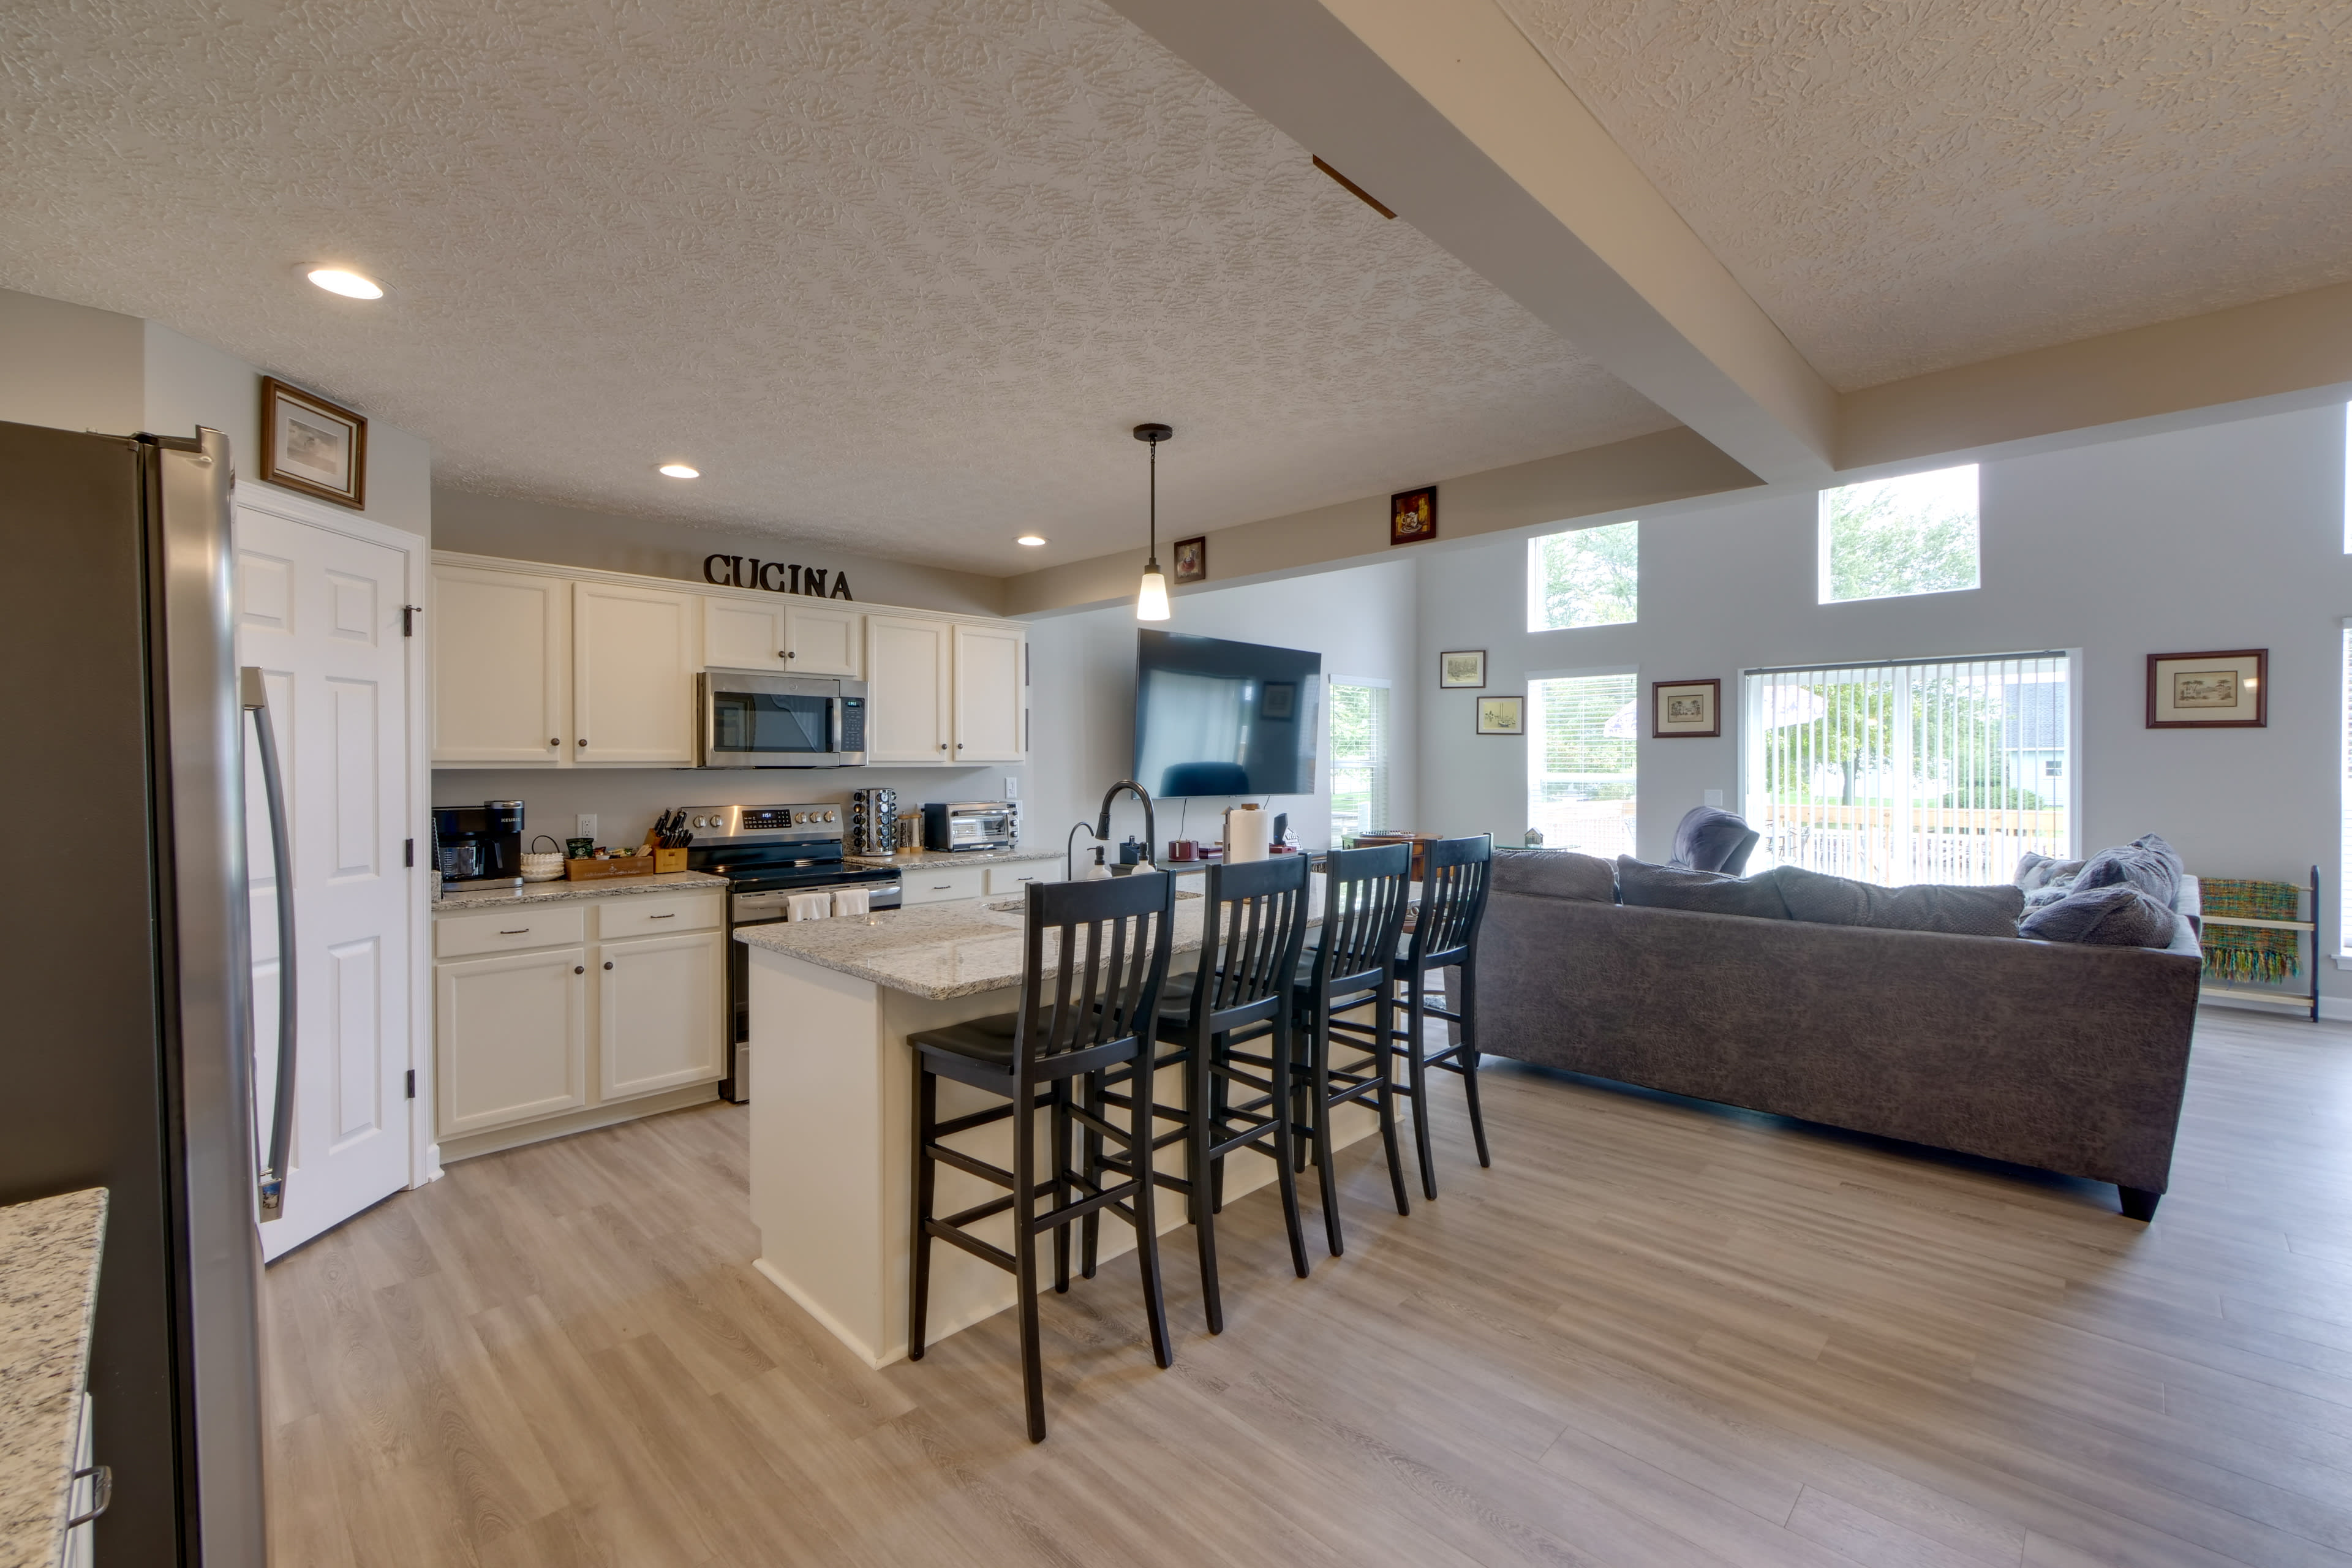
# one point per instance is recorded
(959, 948)
(933, 859)
(558, 893)
(50, 1250)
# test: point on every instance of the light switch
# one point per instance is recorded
(587, 827)
(1714, 798)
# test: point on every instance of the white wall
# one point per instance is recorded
(67, 367)
(2227, 535)
(1083, 699)
(601, 542)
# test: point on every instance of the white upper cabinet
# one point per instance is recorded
(499, 645)
(742, 634)
(822, 640)
(634, 657)
(907, 665)
(989, 694)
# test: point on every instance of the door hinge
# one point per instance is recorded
(408, 614)
(408, 852)
(412, 1083)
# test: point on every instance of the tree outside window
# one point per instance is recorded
(1584, 577)
(1916, 535)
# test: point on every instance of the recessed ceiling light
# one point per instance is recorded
(350, 285)
(680, 472)
(1031, 539)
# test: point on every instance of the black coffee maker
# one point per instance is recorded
(479, 846)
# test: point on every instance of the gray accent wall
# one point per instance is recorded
(2228, 535)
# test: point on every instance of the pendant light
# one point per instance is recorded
(1152, 598)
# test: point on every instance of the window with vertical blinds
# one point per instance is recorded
(1581, 735)
(1359, 758)
(1911, 771)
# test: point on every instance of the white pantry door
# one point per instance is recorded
(319, 612)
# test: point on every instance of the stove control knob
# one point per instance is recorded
(828, 816)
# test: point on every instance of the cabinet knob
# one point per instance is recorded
(790, 655)
(584, 740)
(555, 740)
(608, 964)
(579, 969)
(943, 745)
(959, 745)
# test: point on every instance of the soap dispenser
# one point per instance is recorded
(1095, 871)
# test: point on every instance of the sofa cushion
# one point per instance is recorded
(1709, 892)
(1922, 906)
(2117, 915)
(2036, 871)
(1554, 874)
(2151, 867)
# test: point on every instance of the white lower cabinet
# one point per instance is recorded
(939, 884)
(657, 1013)
(511, 1038)
(513, 1028)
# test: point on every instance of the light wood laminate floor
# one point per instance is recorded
(1654, 1333)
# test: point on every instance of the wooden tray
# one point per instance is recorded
(595, 870)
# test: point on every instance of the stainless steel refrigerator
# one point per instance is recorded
(126, 1051)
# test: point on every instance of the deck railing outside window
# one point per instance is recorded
(1581, 732)
(1911, 771)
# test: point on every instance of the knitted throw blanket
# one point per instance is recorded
(2251, 953)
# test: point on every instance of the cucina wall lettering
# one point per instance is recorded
(776, 576)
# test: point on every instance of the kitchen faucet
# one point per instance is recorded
(1101, 830)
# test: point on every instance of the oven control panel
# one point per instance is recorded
(804, 820)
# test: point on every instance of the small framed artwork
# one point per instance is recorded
(310, 444)
(2209, 690)
(1502, 715)
(1278, 701)
(1193, 559)
(1461, 668)
(1685, 710)
(1412, 516)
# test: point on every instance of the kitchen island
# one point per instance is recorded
(832, 1124)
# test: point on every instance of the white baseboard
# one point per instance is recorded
(2336, 1008)
(564, 1126)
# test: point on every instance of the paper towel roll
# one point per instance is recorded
(1249, 834)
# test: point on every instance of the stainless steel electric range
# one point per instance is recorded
(768, 853)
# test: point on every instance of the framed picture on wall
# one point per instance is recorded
(2209, 690)
(1685, 710)
(1279, 699)
(1193, 559)
(1461, 668)
(1502, 715)
(1412, 516)
(310, 444)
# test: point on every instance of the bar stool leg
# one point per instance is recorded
(1144, 1128)
(1460, 987)
(1384, 1102)
(1024, 1257)
(1283, 1107)
(1062, 1124)
(1417, 1072)
(1198, 1095)
(1318, 1100)
(1091, 1152)
(918, 1277)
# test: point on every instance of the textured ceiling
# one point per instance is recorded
(1907, 185)
(896, 275)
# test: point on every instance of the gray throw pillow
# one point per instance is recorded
(2155, 871)
(1707, 838)
(2117, 915)
(1554, 874)
(1670, 888)
(1922, 906)
(2036, 871)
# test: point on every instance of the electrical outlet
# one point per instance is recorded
(1012, 786)
(1714, 798)
(587, 825)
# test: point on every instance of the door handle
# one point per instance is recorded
(102, 1493)
(254, 695)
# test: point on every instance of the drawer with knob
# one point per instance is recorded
(939, 884)
(658, 914)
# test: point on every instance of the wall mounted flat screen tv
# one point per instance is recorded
(1214, 717)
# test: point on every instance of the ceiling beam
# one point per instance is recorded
(1444, 111)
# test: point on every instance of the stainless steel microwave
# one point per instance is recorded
(752, 719)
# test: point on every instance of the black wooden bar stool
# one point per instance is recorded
(1444, 935)
(1237, 993)
(1091, 974)
(1364, 897)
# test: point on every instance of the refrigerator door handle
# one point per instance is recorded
(254, 697)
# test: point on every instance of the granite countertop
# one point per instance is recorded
(48, 1286)
(557, 892)
(959, 948)
(908, 859)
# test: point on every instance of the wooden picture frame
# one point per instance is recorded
(1462, 670)
(1193, 559)
(2225, 691)
(1503, 715)
(1412, 516)
(1686, 709)
(312, 446)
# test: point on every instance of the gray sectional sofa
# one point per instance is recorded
(2064, 1057)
